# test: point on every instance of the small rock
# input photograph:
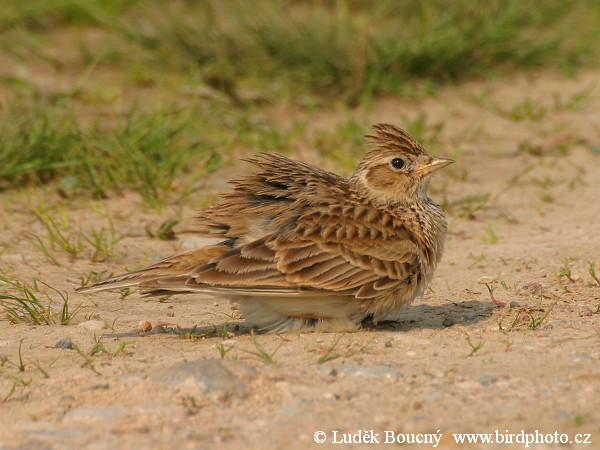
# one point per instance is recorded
(170, 313)
(145, 326)
(94, 325)
(65, 343)
(514, 304)
(216, 378)
(448, 322)
(388, 344)
(585, 311)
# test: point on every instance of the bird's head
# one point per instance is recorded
(397, 170)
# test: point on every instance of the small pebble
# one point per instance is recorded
(65, 343)
(170, 313)
(585, 311)
(145, 326)
(388, 344)
(216, 304)
(514, 304)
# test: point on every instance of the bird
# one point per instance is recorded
(301, 248)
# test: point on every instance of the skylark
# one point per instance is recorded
(301, 247)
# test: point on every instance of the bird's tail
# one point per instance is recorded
(177, 265)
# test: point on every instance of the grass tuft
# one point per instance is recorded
(355, 49)
(150, 152)
(23, 303)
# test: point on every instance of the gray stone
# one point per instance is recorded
(215, 378)
(65, 343)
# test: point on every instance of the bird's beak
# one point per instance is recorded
(434, 165)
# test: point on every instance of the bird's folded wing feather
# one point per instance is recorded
(306, 263)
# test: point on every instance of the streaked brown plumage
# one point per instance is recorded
(302, 247)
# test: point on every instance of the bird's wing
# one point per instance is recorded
(355, 254)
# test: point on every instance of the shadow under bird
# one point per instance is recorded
(301, 247)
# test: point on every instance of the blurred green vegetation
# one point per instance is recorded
(340, 47)
(235, 59)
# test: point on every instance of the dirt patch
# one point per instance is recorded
(523, 208)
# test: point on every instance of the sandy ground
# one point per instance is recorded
(521, 211)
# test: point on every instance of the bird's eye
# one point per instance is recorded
(397, 163)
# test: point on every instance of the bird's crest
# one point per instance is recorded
(391, 137)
